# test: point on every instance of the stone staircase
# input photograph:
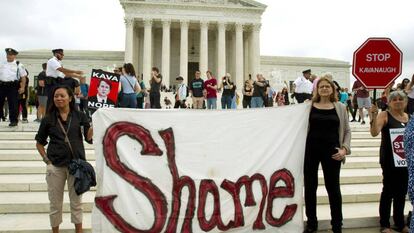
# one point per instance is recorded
(24, 203)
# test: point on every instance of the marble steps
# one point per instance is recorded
(39, 222)
(26, 145)
(32, 155)
(37, 202)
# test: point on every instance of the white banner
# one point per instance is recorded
(199, 171)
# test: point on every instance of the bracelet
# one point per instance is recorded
(45, 159)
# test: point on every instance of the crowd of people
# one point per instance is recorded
(63, 106)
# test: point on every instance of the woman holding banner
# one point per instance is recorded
(391, 124)
(63, 125)
(328, 143)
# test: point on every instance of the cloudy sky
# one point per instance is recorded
(318, 28)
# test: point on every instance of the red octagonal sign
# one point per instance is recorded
(377, 63)
(398, 146)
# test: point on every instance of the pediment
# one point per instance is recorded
(236, 3)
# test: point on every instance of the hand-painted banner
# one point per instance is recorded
(103, 91)
(199, 171)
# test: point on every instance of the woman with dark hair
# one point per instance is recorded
(62, 119)
(285, 94)
(395, 176)
(404, 84)
(155, 88)
(328, 143)
(247, 93)
(129, 86)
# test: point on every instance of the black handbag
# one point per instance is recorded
(83, 171)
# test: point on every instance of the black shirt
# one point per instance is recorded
(386, 154)
(196, 86)
(155, 87)
(70, 82)
(258, 90)
(58, 150)
(323, 131)
(226, 89)
(41, 90)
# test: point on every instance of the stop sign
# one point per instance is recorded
(377, 63)
(398, 146)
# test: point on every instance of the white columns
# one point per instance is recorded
(221, 54)
(255, 50)
(129, 39)
(203, 48)
(239, 57)
(166, 25)
(147, 57)
(184, 50)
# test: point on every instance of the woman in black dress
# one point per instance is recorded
(328, 143)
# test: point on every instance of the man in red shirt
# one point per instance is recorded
(363, 99)
(210, 85)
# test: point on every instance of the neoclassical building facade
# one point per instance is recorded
(182, 36)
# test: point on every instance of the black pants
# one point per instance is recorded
(23, 104)
(180, 104)
(355, 111)
(140, 102)
(155, 99)
(301, 97)
(410, 106)
(331, 173)
(11, 92)
(395, 182)
(247, 101)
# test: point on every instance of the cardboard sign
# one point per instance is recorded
(103, 90)
(397, 145)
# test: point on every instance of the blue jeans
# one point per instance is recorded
(226, 101)
(256, 102)
(129, 100)
(212, 103)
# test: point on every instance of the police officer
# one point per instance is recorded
(56, 73)
(12, 83)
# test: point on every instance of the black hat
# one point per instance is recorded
(11, 51)
(57, 51)
(179, 78)
(306, 71)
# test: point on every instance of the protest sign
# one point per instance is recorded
(200, 171)
(103, 90)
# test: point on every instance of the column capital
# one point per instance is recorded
(204, 23)
(147, 22)
(256, 27)
(129, 21)
(222, 24)
(184, 23)
(166, 22)
(239, 26)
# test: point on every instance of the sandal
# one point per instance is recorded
(405, 230)
(385, 230)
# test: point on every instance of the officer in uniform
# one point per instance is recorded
(55, 73)
(303, 87)
(12, 83)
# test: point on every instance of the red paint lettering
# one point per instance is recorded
(142, 184)
(206, 187)
(281, 192)
(178, 184)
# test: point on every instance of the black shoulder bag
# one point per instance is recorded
(83, 172)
